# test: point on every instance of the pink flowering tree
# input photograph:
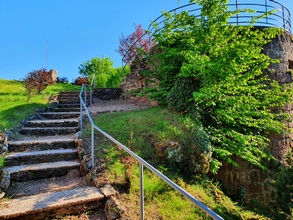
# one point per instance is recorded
(135, 46)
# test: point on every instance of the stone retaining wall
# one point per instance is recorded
(107, 93)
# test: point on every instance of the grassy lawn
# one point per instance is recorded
(138, 130)
(14, 106)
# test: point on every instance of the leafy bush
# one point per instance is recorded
(102, 72)
(180, 96)
(79, 81)
(195, 152)
(35, 82)
(231, 96)
(1, 162)
(284, 186)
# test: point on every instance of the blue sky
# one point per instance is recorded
(61, 34)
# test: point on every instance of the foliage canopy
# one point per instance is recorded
(214, 71)
(102, 72)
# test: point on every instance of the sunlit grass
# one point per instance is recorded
(137, 130)
(14, 106)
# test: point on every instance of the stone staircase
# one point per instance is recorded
(44, 167)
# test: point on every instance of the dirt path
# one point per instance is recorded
(103, 106)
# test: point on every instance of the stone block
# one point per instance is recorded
(255, 188)
(254, 176)
(108, 191)
(284, 77)
(113, 209)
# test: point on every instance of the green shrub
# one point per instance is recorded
(180, 96)
(2, 161)
(231, 97)
(284, 186)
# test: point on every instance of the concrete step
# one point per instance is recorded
(41, 171)
(49, 205)
(48, 130)
(59, 115)
(68, 122)
(46, 143)
(44, 156)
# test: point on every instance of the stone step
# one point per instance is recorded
(77, 109)
(45, 156)
(68, 106)
(48, 130)
(76, 93)
(59, 115)
(72, 98)
(69, 93)
(41, 171)
(68, 122)
(49, 205)
(45, 143)
(69, 101)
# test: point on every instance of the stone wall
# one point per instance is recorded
(248, 181)
(245, 182)
(282, 48)
(107, 93)
(133, 82)
(136, 80)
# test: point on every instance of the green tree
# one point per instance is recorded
(225, 89)
(101, 72)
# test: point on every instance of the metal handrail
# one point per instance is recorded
(280, 18)
(142, 163)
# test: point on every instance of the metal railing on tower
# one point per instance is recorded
(279, 17)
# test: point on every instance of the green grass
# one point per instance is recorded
(2, 161)
(138, 130)
(14, 106)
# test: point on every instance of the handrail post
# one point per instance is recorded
(80, 117)
(93, 146)
(85, 94)
(141, 191)
(91, 96)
